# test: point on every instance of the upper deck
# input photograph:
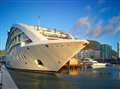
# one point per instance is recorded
(22, 34)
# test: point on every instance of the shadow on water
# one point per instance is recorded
(104, 78)
(29, 80)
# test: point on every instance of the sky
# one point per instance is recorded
(85, 19)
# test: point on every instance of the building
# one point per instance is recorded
(2, 58)
(92, 50)
(106, 52)
(94, 54)
(118, 49)
(97, 51)
(2, 55)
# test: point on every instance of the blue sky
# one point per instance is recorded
(87, 19)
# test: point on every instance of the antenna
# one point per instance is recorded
(1, 38)
(38, 20)
(38, 23)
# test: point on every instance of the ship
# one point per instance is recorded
(36, 48)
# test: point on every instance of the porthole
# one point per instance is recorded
(28, 48)
(39, 62)
(46, 46)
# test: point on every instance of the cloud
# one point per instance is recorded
(96, 31)
(117, 29)
(112, 27)
(82, 21)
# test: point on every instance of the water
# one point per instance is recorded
(105, 78)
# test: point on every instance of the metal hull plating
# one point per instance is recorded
(53, 55)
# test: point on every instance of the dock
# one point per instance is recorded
(6, 81)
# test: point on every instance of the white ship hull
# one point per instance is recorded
(53, 55)
(38, 48)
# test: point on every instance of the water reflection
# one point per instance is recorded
(72, 79)
(26, 80)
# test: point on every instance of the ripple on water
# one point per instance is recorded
(105, 78)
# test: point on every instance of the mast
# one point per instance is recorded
(38, 23)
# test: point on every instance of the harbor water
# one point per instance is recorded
(102, 78)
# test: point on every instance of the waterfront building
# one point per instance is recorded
(97, 51)
(106, 52)
(118, 49)
(94, 54)
(92, 50)
(2, 55)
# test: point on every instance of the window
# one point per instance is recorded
(18, 38)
